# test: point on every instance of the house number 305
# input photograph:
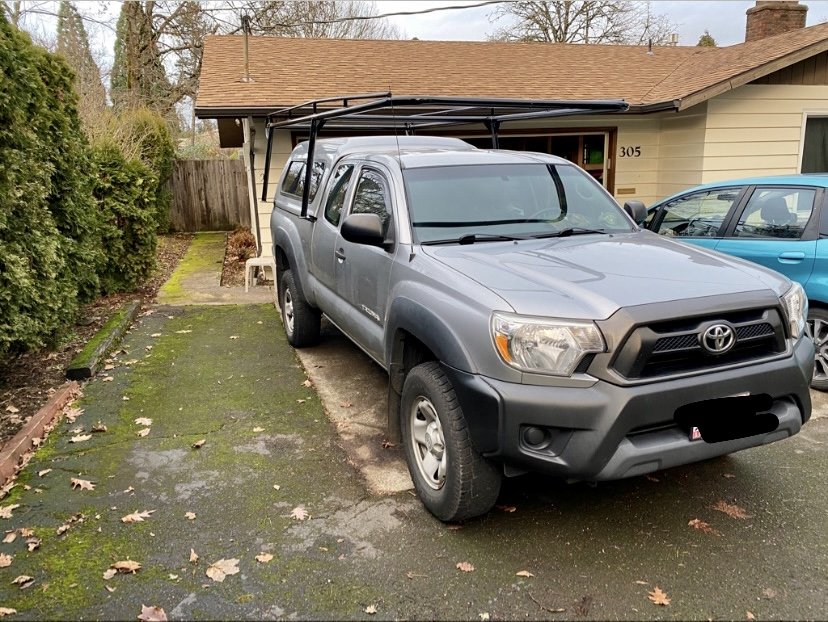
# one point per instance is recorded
(630, 152)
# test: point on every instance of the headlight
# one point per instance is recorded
(544, 346)
(795, 305)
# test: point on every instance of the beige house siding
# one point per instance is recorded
(757, 129)
(278, 158)
(681, 152)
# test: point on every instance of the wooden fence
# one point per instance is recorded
(209, 195)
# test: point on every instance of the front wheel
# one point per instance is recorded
(302, 322)
(818, 330)
(452, 480)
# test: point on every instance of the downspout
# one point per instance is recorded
(250, 162)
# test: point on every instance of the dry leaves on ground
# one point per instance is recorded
(704, 527)
(98, 427)
(524, 573)
(222, 568)
(80, 438)
(126, 567)
(464, 566)
(299, 513)
(144, 421)
(136, 517)
(749, 615)
(44, 472)
(732, 510)
(11, 408)
(143, 433)
(23, 581)
(33, 544)
(199, 444)
(193, 556)
(308, 384)
(509, 509)
(83, 484)
(72, 413)
(5, 560)
(109, 573)
(370, 610)
(658, 597)
(7, 611)
(152, 614)
(6, 510)
(258, 429)
(264, 557)
(190, 515)
(9, 537)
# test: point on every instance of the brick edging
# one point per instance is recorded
(21, 443)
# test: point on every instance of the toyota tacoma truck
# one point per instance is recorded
(525, 320)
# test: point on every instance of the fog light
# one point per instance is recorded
(534, 437)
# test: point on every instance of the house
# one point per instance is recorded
(696, 114)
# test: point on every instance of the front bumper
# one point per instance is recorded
(608, 432)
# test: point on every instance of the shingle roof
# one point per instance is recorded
(290, 71)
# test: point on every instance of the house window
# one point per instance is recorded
(815, 150)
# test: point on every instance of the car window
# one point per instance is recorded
(776, 213)
(336, 197)
(700, 214)
(372, 197)
(294, 181)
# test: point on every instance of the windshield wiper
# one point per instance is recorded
(565, 233)
(471, 238)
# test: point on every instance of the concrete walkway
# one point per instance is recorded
(197, 280)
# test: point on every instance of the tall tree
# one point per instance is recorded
(73, 44)
(581, 21)
(354, 19)
(706, 40)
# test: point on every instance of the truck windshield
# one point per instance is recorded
(507, 201)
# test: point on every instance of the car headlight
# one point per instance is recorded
(544, 346)
(795, 305)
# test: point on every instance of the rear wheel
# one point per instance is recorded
(818, 329)
(452, 480)
(302, 322)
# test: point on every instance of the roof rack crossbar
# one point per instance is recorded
(325, 100)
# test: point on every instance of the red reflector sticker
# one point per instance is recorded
(695, 435)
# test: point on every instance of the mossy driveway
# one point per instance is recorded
(224, 375)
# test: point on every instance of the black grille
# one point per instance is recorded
(673, 346)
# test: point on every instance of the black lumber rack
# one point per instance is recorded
(410, 114)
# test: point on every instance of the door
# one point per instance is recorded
(362, 271)
(774, 229)
(698, 217)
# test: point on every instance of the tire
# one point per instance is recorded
(456, 483)
(302, 322)
(818, 329)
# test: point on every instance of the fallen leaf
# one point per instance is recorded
(222, 568)
(704, 527)
(25, 532)
(484, 617)
(642, 583)
(10, 537)
(82, 484)
(6, 510)
(126, 567)
(193, 557)
(143, 433)
(72, 413)
(128, 490)
(388, 444)
(258, 429)
(749, 615)
(11, 408)
(507, 508)
(63, 528)
(276, 487)
(98, 427)
(80, 438)
(33, 544)
(5, 560)
(728, 476)
(109, 367)
(173, 577)
(107, 378)
(652, 478)
(464, 566)
(109, 588)
(769, 592)
(199, 444)
(125, 398)
(308, 384)
(152, 614)
(77, 430)
(301, 401)
(346, 404)
(524, 573)
(455, 527)
(732, 510)
(183, 332)
(23, 580)
(155, 335)
(7, 611)
(658, 597)
(370, 610)
(299, 513)
(44, 472)
(109, 573)
(190, 515)
(264, 557)
(137, 517)
(234, 336)
(144, 421)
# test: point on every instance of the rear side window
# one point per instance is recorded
(336, 197)
(776, 213)
(294, 181)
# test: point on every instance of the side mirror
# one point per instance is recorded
(363, 229)
(636, 211)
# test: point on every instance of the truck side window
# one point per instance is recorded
(294, 182)
(372, 197)
(336, 197)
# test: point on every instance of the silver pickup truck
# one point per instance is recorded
(526, 322)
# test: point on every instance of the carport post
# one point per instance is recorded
(493, 125)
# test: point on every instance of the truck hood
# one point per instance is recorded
(592, 276)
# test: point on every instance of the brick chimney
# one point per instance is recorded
(774, 17)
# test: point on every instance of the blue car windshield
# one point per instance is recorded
(507, 200)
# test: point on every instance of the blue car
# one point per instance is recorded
(779, 222)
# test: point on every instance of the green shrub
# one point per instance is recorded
(49, 244)
(126, 195)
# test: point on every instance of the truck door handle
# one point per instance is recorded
(791, 257)
(340, 255)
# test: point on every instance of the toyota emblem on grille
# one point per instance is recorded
(718, 339)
